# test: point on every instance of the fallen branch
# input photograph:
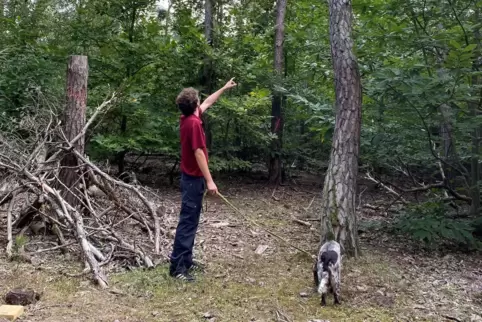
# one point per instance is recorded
(438, 185)
(144, 200)
(309, 206)
(84, 130)
(452, 318)
(102, 226)
(9, 226)
(301, 222)
(52, 248)
(369, 177)
(86, 247)
(112, 195)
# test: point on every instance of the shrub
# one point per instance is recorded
(429, 224)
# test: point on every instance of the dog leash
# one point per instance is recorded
(255, 223)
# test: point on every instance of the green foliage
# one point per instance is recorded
(477, 226)
(20, 242)
(218, 164)
(414, 57)
(429, 224)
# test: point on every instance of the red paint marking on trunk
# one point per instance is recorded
(276, 127)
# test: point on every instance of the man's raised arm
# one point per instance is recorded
(214, 97)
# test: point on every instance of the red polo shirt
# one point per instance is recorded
(192, 138)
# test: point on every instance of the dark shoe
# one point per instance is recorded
(185, 277)
(197, 267)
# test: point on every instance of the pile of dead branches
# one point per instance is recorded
(100, 218)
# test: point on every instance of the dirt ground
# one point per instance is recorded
(388, 283)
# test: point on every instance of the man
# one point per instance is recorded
(195, 175)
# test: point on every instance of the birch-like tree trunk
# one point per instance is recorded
(338, 217)
(275, 166)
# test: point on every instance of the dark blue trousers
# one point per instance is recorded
(192, 189)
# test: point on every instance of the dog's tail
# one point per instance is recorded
(331, 270)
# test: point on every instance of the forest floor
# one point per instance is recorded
(389, 282)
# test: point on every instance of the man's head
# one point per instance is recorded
(188, 101)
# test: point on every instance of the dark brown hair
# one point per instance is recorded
(187, 101)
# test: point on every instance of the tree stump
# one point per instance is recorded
(73, 124)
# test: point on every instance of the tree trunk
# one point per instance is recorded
(477, 132)
(475, 168)
(73, 123)
(338, 216)
(208, 21)
(120, 158)
(207, 77)
(448, 145)
(275, 165)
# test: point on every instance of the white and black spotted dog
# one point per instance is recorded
(327, 270)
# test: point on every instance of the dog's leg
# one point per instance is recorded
(323, 299)
(336, 292)
(315, 276)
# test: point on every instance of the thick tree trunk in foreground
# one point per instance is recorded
(73, 123)
(275, 166)
(338, 218)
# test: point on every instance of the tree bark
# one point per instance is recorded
(277, 122)
(208, 72)
(130, 30)
(73, 123)
(338, 217)
(449, 152)
(477, 132)
(208, 21)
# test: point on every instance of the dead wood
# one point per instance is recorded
(422, 187)
(301, 222)
(27, 214)
(108, 222)
(9, 227)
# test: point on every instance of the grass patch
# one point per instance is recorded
(253, 289)
(231, 290)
